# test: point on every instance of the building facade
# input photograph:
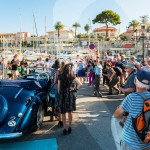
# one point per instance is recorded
(135, 33)
(112, 32)
(64, 35)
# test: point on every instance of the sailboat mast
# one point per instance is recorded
(36, 30)
(45, 37)
(20, 35)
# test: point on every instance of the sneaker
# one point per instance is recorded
(94, 95)
(100, 95)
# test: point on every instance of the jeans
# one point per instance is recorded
(113, 83)
(91, 77)
(96, 84)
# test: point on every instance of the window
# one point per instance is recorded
(142, 27)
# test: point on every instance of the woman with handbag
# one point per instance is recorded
(67, 98)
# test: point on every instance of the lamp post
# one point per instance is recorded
(143, 37)
(136, 34)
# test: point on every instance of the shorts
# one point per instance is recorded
(14, 72)
(81, 73)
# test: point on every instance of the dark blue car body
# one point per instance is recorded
(22, 105)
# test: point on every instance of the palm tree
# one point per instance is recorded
(76, 25)
(134, 24)
(58, 26)
(87, 28)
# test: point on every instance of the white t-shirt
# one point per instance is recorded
(39, 64)
(146, 68)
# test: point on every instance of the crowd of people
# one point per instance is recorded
(121, 75)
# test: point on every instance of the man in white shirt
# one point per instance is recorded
(147, 67)
(50, 61)
(39, 63)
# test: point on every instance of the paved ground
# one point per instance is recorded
(91, 124)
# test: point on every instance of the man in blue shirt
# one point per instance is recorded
(133, 105)
(98, 72)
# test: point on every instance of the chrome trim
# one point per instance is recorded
(18, 93)
(10, 135)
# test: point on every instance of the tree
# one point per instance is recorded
(123, 37)
(134, 24)
(58, 26)
(87, 28)
(76, 25)
(144, 19)
(107, 17)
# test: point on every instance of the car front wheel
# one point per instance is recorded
(37, 116)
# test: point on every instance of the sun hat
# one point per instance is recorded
(133, 57)
(136, 63)
(130, 65)
(142, 79)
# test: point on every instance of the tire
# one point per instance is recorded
(37, 116)
(3, 108)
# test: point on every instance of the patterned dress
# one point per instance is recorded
(67, 98)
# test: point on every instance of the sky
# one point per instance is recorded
(17, 15)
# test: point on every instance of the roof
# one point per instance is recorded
(129, 45)
(55, 31)
(43, 36)
(4, 34)
(105, 28)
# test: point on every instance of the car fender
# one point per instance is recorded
(25, 124)
(3, 109)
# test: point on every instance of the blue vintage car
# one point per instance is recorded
(23, 102)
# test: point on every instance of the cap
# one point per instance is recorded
(143, 77)
(131, 65)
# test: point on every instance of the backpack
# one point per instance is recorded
(141, 124)
(118, 71)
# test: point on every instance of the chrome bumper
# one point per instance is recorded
(10, 135)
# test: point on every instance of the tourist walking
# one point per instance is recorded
(96, 83)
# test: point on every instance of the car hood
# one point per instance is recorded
(16, 99)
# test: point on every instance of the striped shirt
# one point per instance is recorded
(133, 104)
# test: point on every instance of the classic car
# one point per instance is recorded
(23, 102)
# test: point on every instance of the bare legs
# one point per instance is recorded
(70, 118)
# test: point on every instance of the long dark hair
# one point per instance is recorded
(68, 74)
